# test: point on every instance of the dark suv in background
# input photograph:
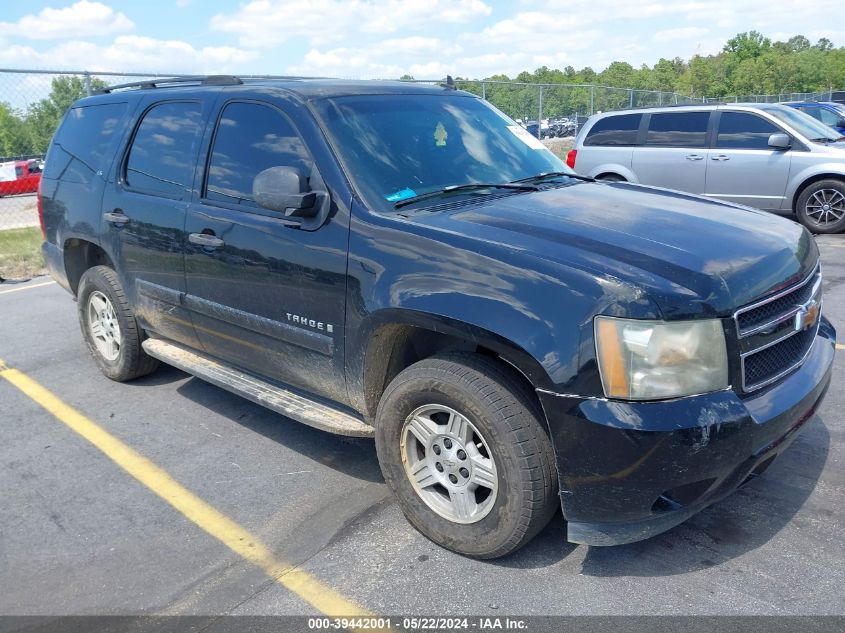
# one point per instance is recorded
(404, 262)
(768, 156)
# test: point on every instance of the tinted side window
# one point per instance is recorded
(615, 130)
(250, 138)
(678, 129)
(740, 130)
(813, 111)
(829, 117)
(161, 159)
(79, 148)
(19, 171)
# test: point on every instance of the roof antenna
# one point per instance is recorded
(450, 83)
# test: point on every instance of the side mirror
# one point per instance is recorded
(780, 140)
(285, 189)
(840, 123)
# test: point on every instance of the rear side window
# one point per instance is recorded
(813, 111)
(829, 117)
(161, 159)
(615, 130)
(678, 129)
(740, 130)
(79, 150)
(250, 138)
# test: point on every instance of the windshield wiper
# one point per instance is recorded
(472, 186)
(553, 174)
(825, 139)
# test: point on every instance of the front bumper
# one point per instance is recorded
(630, 470)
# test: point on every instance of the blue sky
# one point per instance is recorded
(387, 38)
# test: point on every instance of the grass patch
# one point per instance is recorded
(20, 253)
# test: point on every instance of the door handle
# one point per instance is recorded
(116, 217)
(694, 157)
(205, 240)
(720, 157)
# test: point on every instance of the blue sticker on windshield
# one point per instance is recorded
(402, 194)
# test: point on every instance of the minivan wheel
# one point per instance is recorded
(109, 326)
(461, 444)
(821, 206)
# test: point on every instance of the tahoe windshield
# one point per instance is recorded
(803, 123)
(398, 147)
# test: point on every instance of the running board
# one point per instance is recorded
(278, 399)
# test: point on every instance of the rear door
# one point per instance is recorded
(144, 212)
(742, 168)
(675, 151)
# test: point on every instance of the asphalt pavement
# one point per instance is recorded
(82, 533)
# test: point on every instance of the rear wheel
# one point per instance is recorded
(821, 206)
(461, 444)
(109, 326)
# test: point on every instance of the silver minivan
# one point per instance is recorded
(767, 156)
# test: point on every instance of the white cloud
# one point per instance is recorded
(387, 59)
(82, 19)
(132, 53)
(681, 34)
(268, 23)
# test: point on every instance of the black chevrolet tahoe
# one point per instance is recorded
(404, 262)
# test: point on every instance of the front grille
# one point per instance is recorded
(778, 358)
(770, 344)
(771, 310)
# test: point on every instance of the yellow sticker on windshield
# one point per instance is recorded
(440, 135)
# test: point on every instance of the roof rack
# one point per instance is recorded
(169, 82)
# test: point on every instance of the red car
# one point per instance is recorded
(20, 176)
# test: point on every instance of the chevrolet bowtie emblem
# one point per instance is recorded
(807, 316)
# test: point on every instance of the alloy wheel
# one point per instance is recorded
(103, 326)
(449, 463)
(825, 206)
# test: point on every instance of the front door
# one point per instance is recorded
(741, 167)
(265, 295)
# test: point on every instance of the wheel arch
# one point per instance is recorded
(613, 168)
(810, 179)
(80, 255)
(399, 338)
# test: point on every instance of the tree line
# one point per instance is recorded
(748, 64)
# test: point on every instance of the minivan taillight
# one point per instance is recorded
(39, 201)
(570, 157)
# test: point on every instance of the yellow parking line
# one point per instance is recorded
(43, 283)
(840, 346)
(205, 516)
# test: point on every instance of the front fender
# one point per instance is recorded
(830, 169)
(537, 314)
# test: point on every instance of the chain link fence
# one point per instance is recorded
(774, 98)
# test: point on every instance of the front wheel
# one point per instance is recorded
(461, 444)
(821, 207)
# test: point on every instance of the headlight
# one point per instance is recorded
(650, 360)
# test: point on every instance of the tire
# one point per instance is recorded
(100, 292)
(507, 449)
(611, 178)
(811, 206)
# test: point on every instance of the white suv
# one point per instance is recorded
(767, 156)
